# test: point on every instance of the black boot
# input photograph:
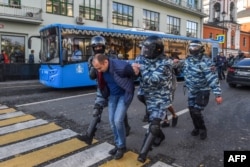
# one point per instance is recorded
(154, 131)
(146, 147)
(159, 139)
(195, 131)
(200, 123)
(203, 134)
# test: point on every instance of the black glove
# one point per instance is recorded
(92, 73)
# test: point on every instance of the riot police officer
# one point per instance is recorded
(156, 82)
(200, 77)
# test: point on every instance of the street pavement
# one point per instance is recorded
(29, 141)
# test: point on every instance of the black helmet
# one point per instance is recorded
(152, 47)
(98, 41)
(195, 47)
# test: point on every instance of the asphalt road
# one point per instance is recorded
(227, 124)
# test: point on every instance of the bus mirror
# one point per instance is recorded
(29, 43)
(29, 40)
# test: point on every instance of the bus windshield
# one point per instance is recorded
(50, 47)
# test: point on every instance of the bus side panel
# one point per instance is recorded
(76, 75)
(55, 75)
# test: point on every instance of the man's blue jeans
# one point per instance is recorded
(117, 111)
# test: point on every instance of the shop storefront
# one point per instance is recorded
(14, 46)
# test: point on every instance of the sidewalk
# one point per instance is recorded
(21, 82)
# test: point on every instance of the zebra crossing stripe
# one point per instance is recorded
(6, 110)
(160, 164)
(85, 158)
(11, 115)
(34, 143)
(129, 159)
(46, 154)
(21, 126)
(16, 120)
(28, 133)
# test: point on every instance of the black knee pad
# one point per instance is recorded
(141, 98)
(155, 127)
(97, 110)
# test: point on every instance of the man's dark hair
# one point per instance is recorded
(100, 57)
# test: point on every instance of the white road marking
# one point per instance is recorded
(11, 115)
(3, 107)
(160, 164)
(85, 158)
(170, 116)
(21, 126)
(58, 99)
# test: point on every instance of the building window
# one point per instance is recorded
(211, 35)
(60, 7)
(91, 10)
(192, 29)
(232, 40)
(173, 25)
(244, 41)
(12, 3)
(122, 14)
(15, 2)
(192, 3)
(151, 20)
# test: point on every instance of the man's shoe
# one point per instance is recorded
(195, 132)
(174, 121)
(113, 151)
(127, 130)
(119, 153)
(203, 134)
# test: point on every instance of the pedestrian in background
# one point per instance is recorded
(31, 57)
(1, 58)
(220, 65)
(6, 59)
(239, 57)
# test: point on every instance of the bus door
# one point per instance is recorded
(75, 73)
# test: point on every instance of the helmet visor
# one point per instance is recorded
(148, 51)
(194, 48)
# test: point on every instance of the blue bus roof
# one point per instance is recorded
(132, 31)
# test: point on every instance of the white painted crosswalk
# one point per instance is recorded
(28, 141)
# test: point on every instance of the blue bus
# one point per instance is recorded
(57, 41)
